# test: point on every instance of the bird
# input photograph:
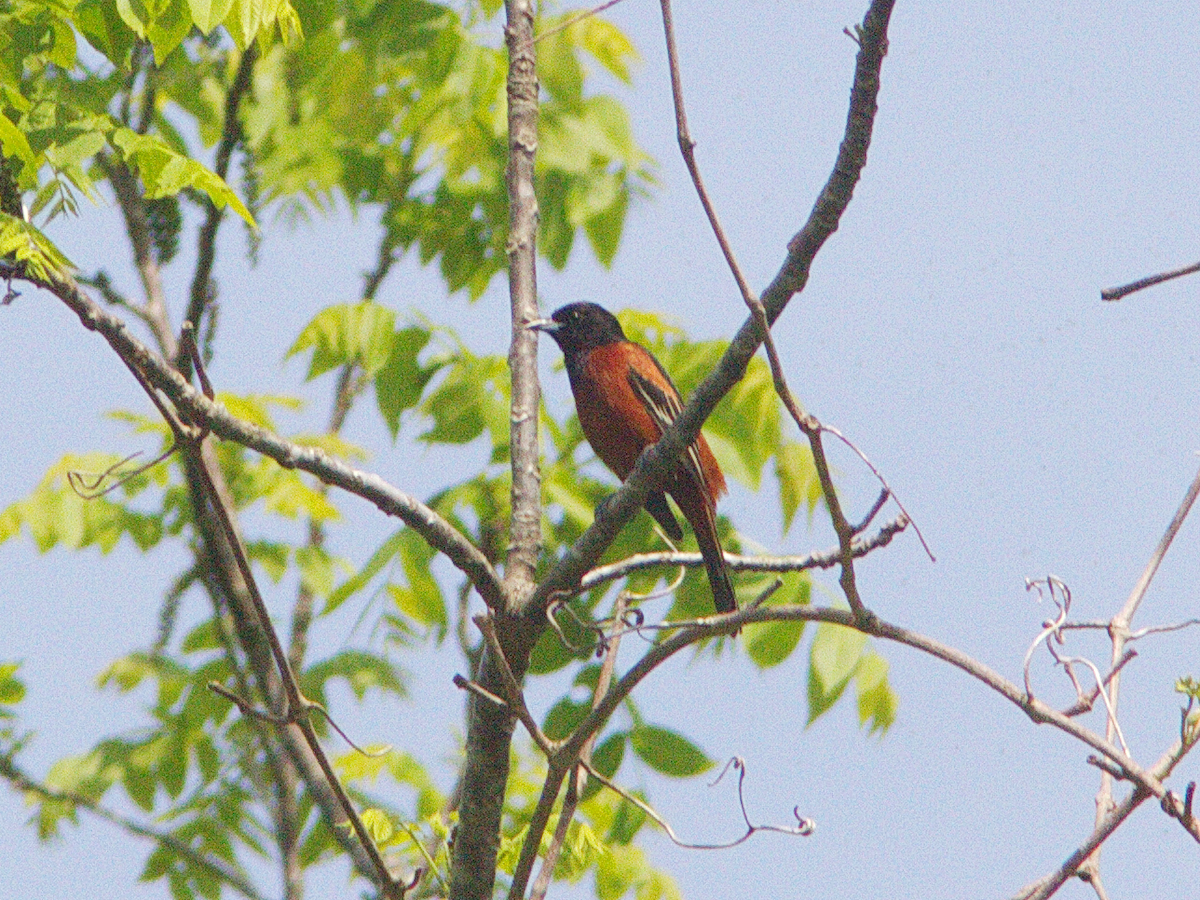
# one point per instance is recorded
(625, 400)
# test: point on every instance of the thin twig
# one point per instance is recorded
(1125, 616)
(88, 487)
(298, 706)
(537, 826)
(1036, 710)
(1109, 707)
(231, 135)
(887, 488)
(803, 827)
(1125, 290)
(516, 698)
(739, 563)
(1118, 634)
(471, 687)
(1149, 630)
(866, 521)
(586, 14)
(1085, 702)
(806, 423)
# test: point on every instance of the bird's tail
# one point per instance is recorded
(714, 561)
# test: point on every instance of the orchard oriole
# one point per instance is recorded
(625, 401)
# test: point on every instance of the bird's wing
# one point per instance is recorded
(665, 408)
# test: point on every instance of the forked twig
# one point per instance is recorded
(1110, 709)
(87, 486)
(575, 785)
(803, 827)
(887, 488)
(1085, 702)
(516, 697)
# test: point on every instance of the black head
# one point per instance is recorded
(579, 327)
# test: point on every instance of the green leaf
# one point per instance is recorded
(421, 599)
(127, 672)
(359, 333)
(14, 143)
(556, 235)
(208, 758)
(157, 865)
(12, 690)
(287, 494)
(834, 658)
(550, 654)
(563, 718)
(100, 22)
(558, 68)
(139, 784)
(581, 848)
(255, 408)
(401, 380)
(172, 768)
(131, 17)
(249, 20)
(205, 636)
(168, 28)
(29, 246)
(627, 822)
(165, 172)
(668, 752)
(605, 227)
(606, 760)
(877, 701)
(457, 414)
(798, 481)
(770, 643)
(208, 14)
(272, 556)
(316, 570)
(609, 753)
(608, 44)
(378, 824)
(362, 671)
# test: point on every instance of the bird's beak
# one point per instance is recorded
(547, 325)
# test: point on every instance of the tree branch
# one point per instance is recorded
(1108, 822)
(214, 865)
(504, 660)
(440, 534)
(525, 529)
(1118, 631)
(298, 707)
